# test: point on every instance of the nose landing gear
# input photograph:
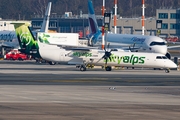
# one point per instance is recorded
(82, 68)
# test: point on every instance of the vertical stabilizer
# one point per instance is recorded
(94, 31)
(26, 40)
(92, 18)
(45, 23)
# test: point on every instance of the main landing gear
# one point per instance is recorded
(167, 70)
(83, 68)
(108, 68)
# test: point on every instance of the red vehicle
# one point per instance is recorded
(172, 39)
(15, 55)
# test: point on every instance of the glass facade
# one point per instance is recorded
(77, 29)
(164, 26)
(36, 24)
(174, 26)
(53, 24)
(163, 15)
(174, 16)
(65, 29)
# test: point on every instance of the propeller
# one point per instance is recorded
(106, 55)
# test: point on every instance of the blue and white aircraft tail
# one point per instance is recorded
(95, 33)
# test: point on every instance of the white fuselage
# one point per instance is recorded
(8, 39)
(143, 43)
(128, 59)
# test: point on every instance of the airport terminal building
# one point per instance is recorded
(169, 23)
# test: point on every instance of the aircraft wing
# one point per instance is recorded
(76, 48)
(176, 46)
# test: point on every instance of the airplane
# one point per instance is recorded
(9, 38)
(85, 56)
(44, 28)
(143, 43)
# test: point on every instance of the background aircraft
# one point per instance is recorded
(9, 38)
(142, 43)
(88, 56)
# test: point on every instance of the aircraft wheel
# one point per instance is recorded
(108, 68)
(167, 70)
(82, 68)
(20, 59)
(52, 63)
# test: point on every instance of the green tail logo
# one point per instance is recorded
(26, 39)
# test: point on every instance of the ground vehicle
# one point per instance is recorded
(16, 55)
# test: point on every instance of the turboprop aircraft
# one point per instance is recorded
(84, 56)
(142, 43)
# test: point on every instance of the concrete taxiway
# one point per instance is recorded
(40, 91)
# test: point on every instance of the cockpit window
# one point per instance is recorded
(164, 57)
(158, 57)
(161, 57)
(157, 43)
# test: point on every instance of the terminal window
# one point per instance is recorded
(53, 24)
(163, 15)
(174, 16)
(164, 26)
(174, 26)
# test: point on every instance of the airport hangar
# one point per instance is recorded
(165, 24)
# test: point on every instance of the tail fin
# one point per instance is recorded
(94, 31)
(27, 42)
(45, 24)
(92, 18)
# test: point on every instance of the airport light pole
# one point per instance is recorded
(107, 19)
(103, 10)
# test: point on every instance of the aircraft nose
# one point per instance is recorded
(171, 65)
(174, 65)
(160, 49)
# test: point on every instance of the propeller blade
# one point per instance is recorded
(106, 62)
